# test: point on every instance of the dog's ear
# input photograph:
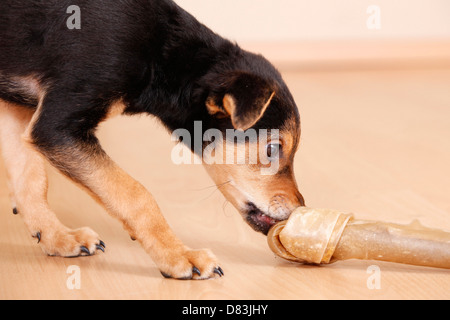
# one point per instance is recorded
(243, 97)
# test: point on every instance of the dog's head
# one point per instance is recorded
(254, 133)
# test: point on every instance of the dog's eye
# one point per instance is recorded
(273, 150)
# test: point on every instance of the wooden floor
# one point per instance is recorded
(375, 143)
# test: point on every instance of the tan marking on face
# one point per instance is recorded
(292, 131)
(215, 110)
(117, 108)
(275, 194)
(229, 104)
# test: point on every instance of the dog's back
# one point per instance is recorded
(111, 47)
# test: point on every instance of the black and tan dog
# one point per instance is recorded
(128, 57)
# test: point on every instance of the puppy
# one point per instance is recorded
(59, 80)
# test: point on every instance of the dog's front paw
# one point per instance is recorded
(65, 242)
(192, 265)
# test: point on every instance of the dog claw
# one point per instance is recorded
(38, 236)
(195, 270)
(99, 247)
(219, 271)
(85, 250)
(102, 244)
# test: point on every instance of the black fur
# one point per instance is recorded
(150, 53)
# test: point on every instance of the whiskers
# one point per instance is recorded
(216, 188)
(224, 206)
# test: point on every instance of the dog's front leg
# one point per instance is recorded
(79, 155)
(129, 201)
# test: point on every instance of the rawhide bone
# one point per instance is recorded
(323, 236)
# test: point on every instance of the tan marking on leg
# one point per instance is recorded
(28, 182)
(126, 199)
(131, 203)
(26, 134)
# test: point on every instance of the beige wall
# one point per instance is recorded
(297, 20)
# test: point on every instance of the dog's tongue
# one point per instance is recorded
(261, 222)
(266, 219)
